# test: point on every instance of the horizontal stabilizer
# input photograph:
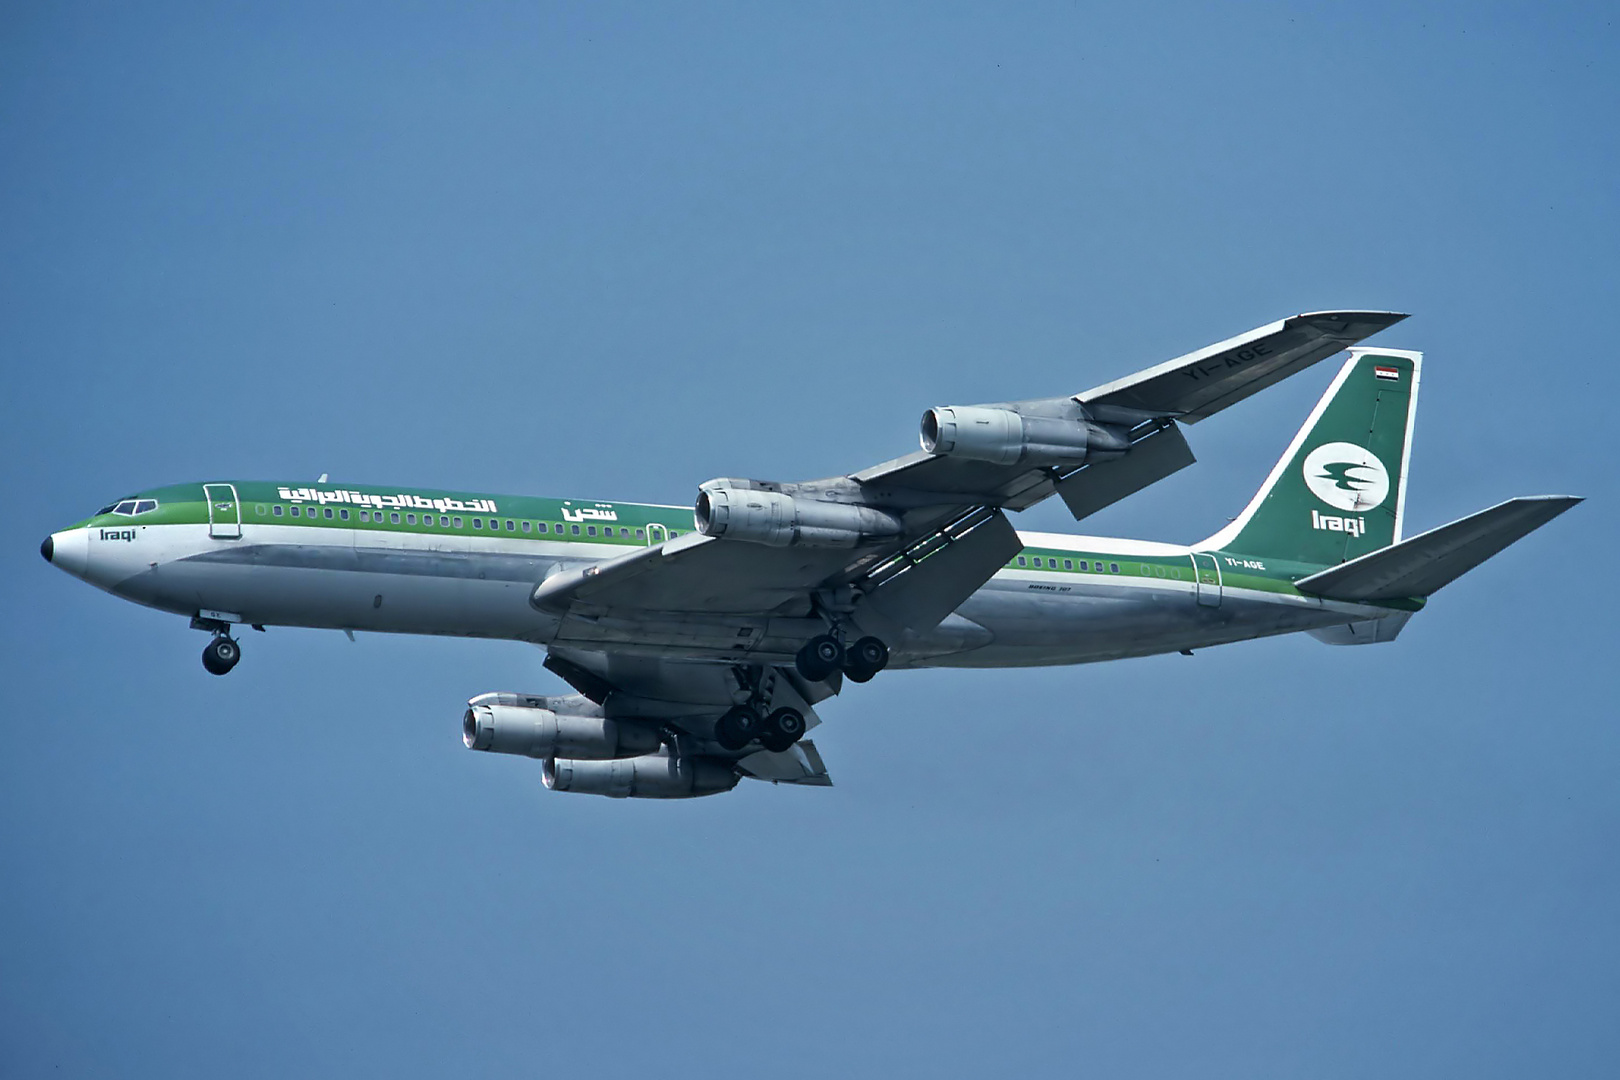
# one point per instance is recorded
(1425, 563)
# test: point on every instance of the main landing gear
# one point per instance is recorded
(743, 723)
(824, 654)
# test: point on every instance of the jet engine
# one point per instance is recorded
(498, 724)
(653, 776)
(1005, 437)
(749, 510)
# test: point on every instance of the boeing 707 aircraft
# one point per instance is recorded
(701, 639)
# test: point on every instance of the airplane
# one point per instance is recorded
(699, 639)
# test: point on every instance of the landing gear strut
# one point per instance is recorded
(221, 654)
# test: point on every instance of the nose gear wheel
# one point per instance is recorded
(221, 655)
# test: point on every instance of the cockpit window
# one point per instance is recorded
(126, 507)
(129, 507)
(145, 505)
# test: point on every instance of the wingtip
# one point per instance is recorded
(1388, 318)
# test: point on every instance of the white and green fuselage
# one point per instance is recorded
(405, 560)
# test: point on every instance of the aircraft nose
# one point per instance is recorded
(68, 550)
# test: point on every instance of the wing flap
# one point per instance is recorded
(1102, 484)
(1425, 563)
(799, 764)
(923, 592)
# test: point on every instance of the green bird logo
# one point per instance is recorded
(1339, 473)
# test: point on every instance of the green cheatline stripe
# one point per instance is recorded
(1277, 577)
(183, 504)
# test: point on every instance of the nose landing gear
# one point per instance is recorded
(221, 655)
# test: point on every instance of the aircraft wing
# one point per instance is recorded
(1203, 383)
(926, 530)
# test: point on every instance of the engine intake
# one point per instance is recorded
(653, 776)
(505, 728)
(746, 510)
(1005, 437)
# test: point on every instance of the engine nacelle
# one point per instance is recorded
(1004, 437)
(744, 510)
(505, 728)
(654, 776)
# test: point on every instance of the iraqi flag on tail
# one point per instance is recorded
(1384, 372)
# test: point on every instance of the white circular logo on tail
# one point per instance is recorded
(1346, 477)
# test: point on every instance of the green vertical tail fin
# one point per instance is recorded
(1340, 489)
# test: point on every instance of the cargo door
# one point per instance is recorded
(224, 512)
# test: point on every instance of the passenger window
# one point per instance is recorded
(590, 530)
(394, 518)
(539, 526)
(444, 522)
(478, 523)
(526, 526)
(328, 511)
(344, 514)
(509, 526)
(276, 510)
(1113, 567)
(410, 519)
(641, 534)
(576, 530)
(456, 522)
(1068, 564)
(1021, 561)
(258, 508)
(1036, 561)
(293, 511)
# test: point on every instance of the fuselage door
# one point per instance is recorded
(224, 512)
(656, 534)
(1207, 574)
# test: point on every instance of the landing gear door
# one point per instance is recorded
(224, 512)
(1207, 574)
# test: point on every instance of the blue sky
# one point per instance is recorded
(612, 251)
